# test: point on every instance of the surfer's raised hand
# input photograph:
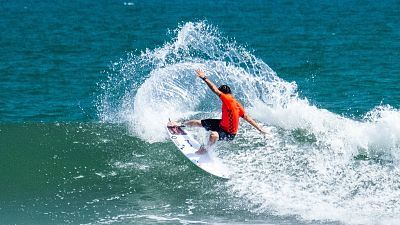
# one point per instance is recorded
(210, 84)
(200, 74)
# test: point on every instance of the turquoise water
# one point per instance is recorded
(86, 87)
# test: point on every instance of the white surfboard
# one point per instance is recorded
(189, 146)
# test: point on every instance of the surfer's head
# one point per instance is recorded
(225, 89)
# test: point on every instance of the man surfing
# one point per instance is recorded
(225, 128)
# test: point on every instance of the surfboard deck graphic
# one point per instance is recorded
(188, 146)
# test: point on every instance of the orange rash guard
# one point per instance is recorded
(231, 111)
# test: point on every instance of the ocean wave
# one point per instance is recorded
(316, 164)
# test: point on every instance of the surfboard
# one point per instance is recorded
(188, 146)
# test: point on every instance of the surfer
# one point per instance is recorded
(226, 127)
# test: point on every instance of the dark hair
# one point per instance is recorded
(225, 89)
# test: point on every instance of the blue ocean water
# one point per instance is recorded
(86, 86)
(342, 54)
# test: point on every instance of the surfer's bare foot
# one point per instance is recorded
(201, 150)
(175, 124)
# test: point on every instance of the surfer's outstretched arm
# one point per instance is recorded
(254, 124)
(210, 84)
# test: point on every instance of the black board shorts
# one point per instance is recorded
(213, 125)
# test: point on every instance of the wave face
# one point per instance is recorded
(317, 165)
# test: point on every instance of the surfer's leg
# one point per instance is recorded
(193, 123)
(211, 141)
(213, 138)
